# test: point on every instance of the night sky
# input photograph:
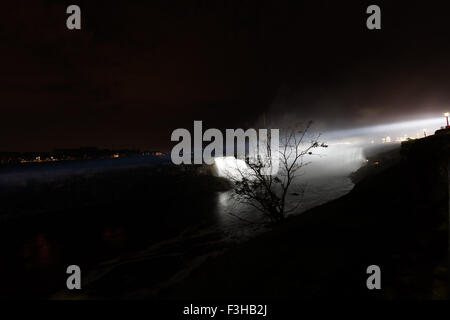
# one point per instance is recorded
(138, 70)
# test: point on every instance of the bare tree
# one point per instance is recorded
(268, 193)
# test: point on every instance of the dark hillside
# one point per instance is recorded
(397, 219)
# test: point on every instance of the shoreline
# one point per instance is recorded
(325, 251)
(165, 269)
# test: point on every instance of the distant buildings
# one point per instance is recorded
(83, 153)
(388, 139)
(153, 153)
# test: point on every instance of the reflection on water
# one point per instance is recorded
(324, 177)
(186, 228)
(220, 218)
(43, 250)
(318, 190)
(37, 252)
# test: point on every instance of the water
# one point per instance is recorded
(324, 177)
(23, 174)
(111, 243)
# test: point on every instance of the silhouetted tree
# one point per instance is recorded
(267, 193)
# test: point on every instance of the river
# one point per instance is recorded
(111, 244)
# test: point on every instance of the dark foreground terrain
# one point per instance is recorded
(86, 219)
(396, 219)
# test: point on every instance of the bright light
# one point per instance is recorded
(389, 128)
(230, 167)
(446, 114)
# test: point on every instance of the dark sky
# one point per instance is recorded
(138, 70)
